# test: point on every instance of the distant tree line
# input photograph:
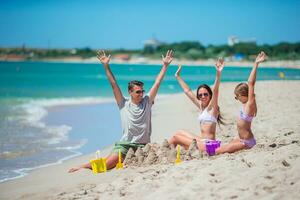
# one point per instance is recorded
(195, 50)
(187, 50)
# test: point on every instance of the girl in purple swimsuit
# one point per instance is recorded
(245, 94)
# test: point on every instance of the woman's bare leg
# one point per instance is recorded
(184, 138)
(200, 143)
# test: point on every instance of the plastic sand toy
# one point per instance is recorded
(119, 164)
(98, 164)
(178, 160)
(211, 146)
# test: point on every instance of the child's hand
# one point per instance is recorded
(261, 57)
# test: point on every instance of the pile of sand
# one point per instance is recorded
(154, 153)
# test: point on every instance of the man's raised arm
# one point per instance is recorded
(166, 62)
(105, 62)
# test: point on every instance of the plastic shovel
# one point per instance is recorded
(119, 164)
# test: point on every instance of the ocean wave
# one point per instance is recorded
(31, 112)
(36, 109)
(37, 136)
(71, 101)
(74, 147)
(60, 133)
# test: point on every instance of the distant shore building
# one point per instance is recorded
(73, 51)
(151, 45)
(232, 40)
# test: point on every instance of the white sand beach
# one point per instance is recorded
(268, 171)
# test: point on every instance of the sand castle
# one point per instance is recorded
(165, 153)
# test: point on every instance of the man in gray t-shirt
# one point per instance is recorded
(135, 112)
(136, 120)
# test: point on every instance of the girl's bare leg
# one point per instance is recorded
(233, 146)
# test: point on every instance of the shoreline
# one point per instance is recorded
(293, 64)
(65, 113)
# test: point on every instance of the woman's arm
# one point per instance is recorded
(187, 90)
(214, 100)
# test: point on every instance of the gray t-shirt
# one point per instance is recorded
(136, 120)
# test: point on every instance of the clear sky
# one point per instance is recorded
(128, 23)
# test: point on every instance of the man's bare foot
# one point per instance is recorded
(74, 169)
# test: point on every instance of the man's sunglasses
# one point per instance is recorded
(139, 91)
(203, 95)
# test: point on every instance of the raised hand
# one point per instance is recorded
(102, 57)
(219, 64)
(261, 57)
(177, 74)
(168, 58)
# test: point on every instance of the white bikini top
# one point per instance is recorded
(206, 117)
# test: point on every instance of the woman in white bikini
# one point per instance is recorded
(244, 93)
(206, 100)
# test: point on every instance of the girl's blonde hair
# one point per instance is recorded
(241, 89)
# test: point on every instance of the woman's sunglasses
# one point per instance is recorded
(237, 97)
(203, 95)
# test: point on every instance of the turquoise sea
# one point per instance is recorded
(33, 96)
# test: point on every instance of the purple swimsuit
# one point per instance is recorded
(244, 116)
(250, 142)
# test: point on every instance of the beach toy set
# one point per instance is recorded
(211, 146)
(98, 164)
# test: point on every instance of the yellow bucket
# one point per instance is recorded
(98, 165)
